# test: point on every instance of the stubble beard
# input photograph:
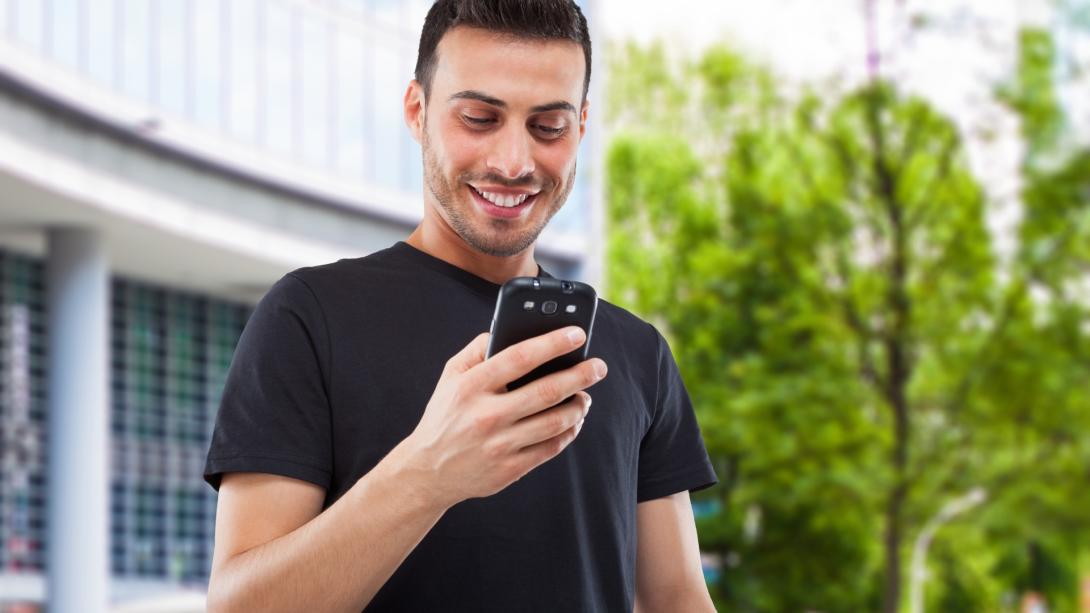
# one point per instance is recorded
(502, 241)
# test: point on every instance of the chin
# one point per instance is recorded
(496, 239)
(499, 246)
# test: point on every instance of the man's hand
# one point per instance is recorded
(476, 438)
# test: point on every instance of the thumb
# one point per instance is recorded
(470, 355)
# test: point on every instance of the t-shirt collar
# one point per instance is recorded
(479, 284)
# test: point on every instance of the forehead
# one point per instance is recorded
(507, 67)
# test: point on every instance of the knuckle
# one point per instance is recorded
(459, 390)
(556, 422)
(453, 368)
(494, 450)
(549, 392)
(515, 470)
(520, 356)
(557, 444)
(483, 423)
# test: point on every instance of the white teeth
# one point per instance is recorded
(504, 201)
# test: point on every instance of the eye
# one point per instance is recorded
(478, 121)
(550, 132)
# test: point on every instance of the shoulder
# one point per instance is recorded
(629, 344)
(344, 282)
(310, 295)
(638, 334)
(347, 271)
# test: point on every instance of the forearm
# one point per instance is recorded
(696, 600)
(338, 560)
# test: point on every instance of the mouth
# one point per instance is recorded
(504, 205)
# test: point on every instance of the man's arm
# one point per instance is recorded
(276, 551)
(668, 572)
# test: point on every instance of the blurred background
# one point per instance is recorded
(863, 225)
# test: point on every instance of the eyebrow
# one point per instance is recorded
(559, 105)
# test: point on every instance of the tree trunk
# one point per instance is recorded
(895, 339)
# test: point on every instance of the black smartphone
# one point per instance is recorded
(532, 306)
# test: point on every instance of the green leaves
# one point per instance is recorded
(824, 272)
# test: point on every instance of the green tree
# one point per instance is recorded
(857, 351)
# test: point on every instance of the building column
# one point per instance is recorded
(77, 290)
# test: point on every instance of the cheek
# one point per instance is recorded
(557, 161)
(459, 149)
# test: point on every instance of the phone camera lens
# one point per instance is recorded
(548, 307)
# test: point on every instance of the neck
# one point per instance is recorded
(440, 241)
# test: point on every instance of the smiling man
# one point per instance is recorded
(366, 454)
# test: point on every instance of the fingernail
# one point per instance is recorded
(575, 334)
(579, 426)
(599, 369)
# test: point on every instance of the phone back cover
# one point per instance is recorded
(512, 323)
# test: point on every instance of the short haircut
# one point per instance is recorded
(535, 19)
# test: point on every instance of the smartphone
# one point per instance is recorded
(531, 306)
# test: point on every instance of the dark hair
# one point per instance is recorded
(538, 19)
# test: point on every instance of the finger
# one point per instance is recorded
(554, 388)
(470, 355)
(521, 358)
(537, 454)
(547, 424)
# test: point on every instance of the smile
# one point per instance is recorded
(504, 206)
(506, 201)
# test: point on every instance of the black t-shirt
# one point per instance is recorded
(335, 368)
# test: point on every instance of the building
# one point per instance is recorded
(161, 164)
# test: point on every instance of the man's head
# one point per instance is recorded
(499, 107)
(531, 19)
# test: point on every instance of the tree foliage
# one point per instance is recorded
(858, 352)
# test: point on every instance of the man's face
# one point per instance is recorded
(499, 135)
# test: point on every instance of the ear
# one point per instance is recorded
(583, 119)
(414, 109)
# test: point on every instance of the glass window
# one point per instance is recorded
(23, 435)
(411, 167)
(313, 88)
(135, 49)
(387, 12)
(176, 348)
(172, 22)
(388, 128)
(351, 80)
(243, 69)
(64, 35)
(29, 23)
(102, 43)
(208, 64)
(279, 88)
(279, 91)
(352, 5)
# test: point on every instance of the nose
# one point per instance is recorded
(512, 156)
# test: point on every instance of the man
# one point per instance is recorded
(366, 453)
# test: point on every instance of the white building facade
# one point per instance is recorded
(162, 164)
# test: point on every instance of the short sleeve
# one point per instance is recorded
(274, 415)
(672, 453)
